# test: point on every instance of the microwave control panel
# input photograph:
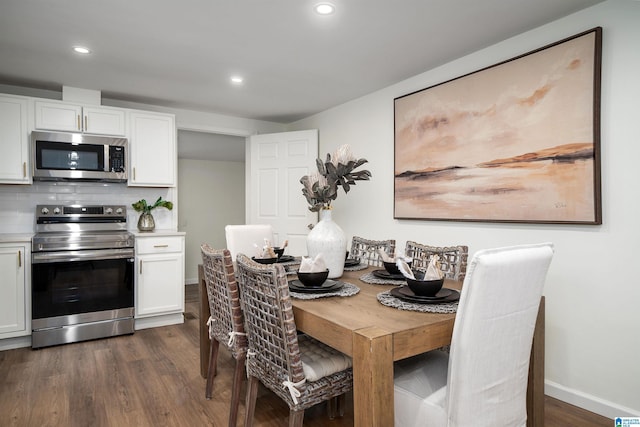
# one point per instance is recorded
(116, 158)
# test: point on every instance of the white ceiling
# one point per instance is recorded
(181, 53)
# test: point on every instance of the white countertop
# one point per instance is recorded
(157, 233)
(15, 237)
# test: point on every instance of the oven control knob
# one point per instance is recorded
(119, 211)
(56, 211)
(44, 211)
(108, 211)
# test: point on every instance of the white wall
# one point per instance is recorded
(592, 293)
(211, 196)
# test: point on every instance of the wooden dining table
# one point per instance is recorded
(375, 336)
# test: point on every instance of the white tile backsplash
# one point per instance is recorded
(18, 202)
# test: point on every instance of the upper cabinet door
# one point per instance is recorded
(103, 121)
(153, 151)
(14, 161)
(58, 116)
(75, 118)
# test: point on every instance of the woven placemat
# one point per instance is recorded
(357, 267)
(390, 301)
(374, 280)
(345, 291)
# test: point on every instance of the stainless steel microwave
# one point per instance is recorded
(72, 156)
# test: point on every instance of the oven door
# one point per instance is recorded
(69, 283)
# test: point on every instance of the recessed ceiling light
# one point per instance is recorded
(81, 49)
(237, 80)
(324, 8)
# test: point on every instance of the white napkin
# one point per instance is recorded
(404, 268)
(433, 269)
(266, 251)
(383, 255)
(308, 265)
(386, 258)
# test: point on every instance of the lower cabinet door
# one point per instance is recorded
(159, 286)
(13, 309)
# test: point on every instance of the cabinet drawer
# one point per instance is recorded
(156, 245)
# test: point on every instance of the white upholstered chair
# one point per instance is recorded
(483, 381)
(242, 238)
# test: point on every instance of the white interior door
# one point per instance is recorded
(275, 164)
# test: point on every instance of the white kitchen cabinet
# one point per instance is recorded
(152, 149)
(14, 140)
(159, 279)
(15, 310)
(68, 117)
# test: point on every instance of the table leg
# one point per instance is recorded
(535, 386)
(372, 378)
(204, 316)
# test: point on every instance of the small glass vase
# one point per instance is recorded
(146, 222)
(327, 238)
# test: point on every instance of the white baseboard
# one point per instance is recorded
(157, 321)
(588, 402)
(192, 281)
(17, 342)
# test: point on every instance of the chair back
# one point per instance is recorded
(227, 323)
(367, 250)
(492, 336)
(273, 354)
(242, 238)
(453, 259)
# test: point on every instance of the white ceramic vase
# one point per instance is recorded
(328, 238)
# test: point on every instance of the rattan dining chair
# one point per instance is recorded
(300, 370)
(367, 250)
(453, 259)
(483, 381)
(226, 322)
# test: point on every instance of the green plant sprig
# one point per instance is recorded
(143, 206)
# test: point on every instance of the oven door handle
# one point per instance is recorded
(70, 256)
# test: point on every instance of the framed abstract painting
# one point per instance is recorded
(515, 142)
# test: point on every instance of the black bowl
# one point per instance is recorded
(264, 260)
(392, 268)
(279, 251)
(424, 288)
(316, 278)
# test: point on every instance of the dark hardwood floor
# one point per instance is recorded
(152, 378)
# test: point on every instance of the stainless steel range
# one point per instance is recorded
(82, 274)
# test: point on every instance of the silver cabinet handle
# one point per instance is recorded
(160, 246)
(24, 169)
(19, 258)
(79, 123)
(140, 266)
(86, 123)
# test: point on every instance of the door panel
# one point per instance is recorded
(276, 162)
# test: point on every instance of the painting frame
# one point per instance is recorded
(514, 142)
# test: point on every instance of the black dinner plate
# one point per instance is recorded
(384, 274)
(351, 262)
(286, 258)
(264, 260)
(405, 296)
(327, 286)
(442, 293)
